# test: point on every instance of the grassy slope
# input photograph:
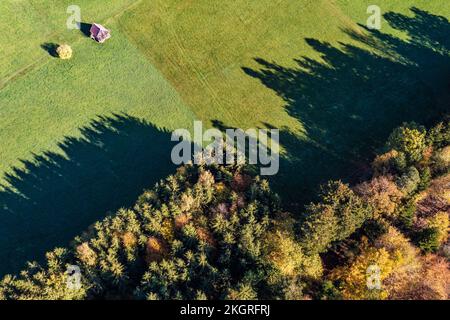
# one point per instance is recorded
(59, 97)
(54, 100)
(202, 48)
(51, 108)
(28, 24)
(168, 62)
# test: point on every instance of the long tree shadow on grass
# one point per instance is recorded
(50, 48)
(351, 101)
(85, 28)
(54, 198)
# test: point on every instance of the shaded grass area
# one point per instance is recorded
(357, 10)
(62, 96)
(336, 95)
(60, 171)
(55, 197)
(350, 104)
(200, 48)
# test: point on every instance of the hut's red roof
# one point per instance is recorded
(99, 32)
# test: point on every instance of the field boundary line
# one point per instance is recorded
(44, 59)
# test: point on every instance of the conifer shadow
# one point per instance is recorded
(56, 197)
(351, 101)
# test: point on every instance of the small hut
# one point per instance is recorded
(99, 33)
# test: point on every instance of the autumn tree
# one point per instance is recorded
(409, 181)
(409, 139)
(45, 283)
(338, 214)
(381, 193)
(439, 135)
(380, 269)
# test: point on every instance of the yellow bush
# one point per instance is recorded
(64, 51)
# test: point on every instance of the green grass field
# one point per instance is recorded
(83, 137)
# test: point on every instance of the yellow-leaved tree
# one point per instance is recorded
(380, 269)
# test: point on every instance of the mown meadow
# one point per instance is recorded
(83, 137)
